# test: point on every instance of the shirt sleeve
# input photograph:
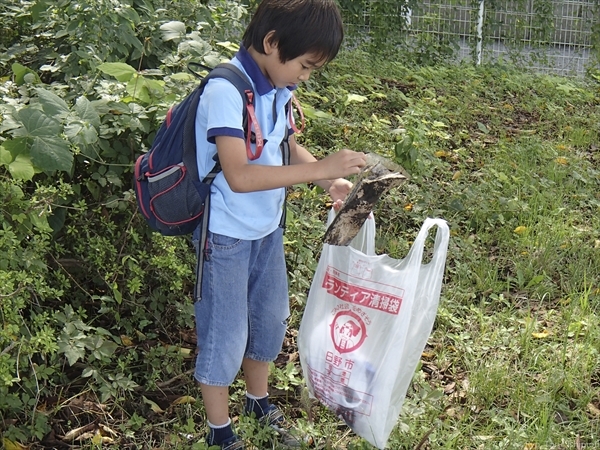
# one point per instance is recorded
(222, 105)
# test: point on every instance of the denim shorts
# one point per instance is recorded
(244, 307)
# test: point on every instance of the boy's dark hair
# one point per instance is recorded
(301, 26)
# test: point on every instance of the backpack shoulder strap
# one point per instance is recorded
(236, 77)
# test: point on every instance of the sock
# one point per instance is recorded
(219, 433)
(256, 405)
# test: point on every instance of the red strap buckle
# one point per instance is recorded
(291, 116)
(257, 133)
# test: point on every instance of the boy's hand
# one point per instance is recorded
(343, 163)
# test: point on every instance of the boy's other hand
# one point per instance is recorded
(338, 191)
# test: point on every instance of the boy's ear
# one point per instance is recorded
(269, 42)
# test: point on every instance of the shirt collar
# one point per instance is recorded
(263, 85)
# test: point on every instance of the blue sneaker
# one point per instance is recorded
(233, 443)
(273, 417)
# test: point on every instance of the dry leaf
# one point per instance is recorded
(97, 439)
(593, 409)
(541, 335)
(77, 433)
(107, 430)
(456, 175)
(562, 161)
(185, 352)
(520, 229)
(11, 445)
(126, 341)
(153, 406)
(186, 399)
(449, 389)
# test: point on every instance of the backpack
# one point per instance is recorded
(169, 192)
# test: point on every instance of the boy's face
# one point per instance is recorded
(293, 71)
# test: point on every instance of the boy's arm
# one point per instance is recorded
(244, 177)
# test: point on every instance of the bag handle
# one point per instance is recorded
(442, 237)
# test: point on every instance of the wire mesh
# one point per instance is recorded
(546, 36)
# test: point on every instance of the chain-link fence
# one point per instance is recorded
(561, 37)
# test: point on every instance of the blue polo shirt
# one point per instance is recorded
(250, 215)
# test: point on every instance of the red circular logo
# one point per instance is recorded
(348, 331)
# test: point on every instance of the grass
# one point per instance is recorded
(510, 160)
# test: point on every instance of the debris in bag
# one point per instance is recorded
(379, 176)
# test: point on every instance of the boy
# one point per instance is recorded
(241, 316)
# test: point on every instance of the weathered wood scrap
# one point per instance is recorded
(375, 180)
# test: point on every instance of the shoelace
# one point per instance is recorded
(236, 444)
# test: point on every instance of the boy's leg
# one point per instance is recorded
(256, 374)
(268, 310)
(216, 403)
(222, 331)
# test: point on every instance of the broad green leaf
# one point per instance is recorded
(81, 134)
(53, 105)
(212, 59)
(173, 30)
(88, 372)
(312, 113)
(196, 48)
(22, 168)
(138, 90)
(456, 205)
(182, 76)
(93, 188)
(36, 123)
(107, 348)
(16, 192)
(73, 350)
(40, 221)
(51, 153)
(73, 129)
(5, 156)
(57, 219)
(86, 111)
(121, 71)
(130, 14)
(144, 89)
(535, 280)
(21, 71)
(17, 146)
(229, 46)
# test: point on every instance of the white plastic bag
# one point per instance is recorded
(366, 323)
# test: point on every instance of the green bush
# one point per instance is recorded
(84, 284)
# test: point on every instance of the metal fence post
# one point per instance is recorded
(480, 17)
